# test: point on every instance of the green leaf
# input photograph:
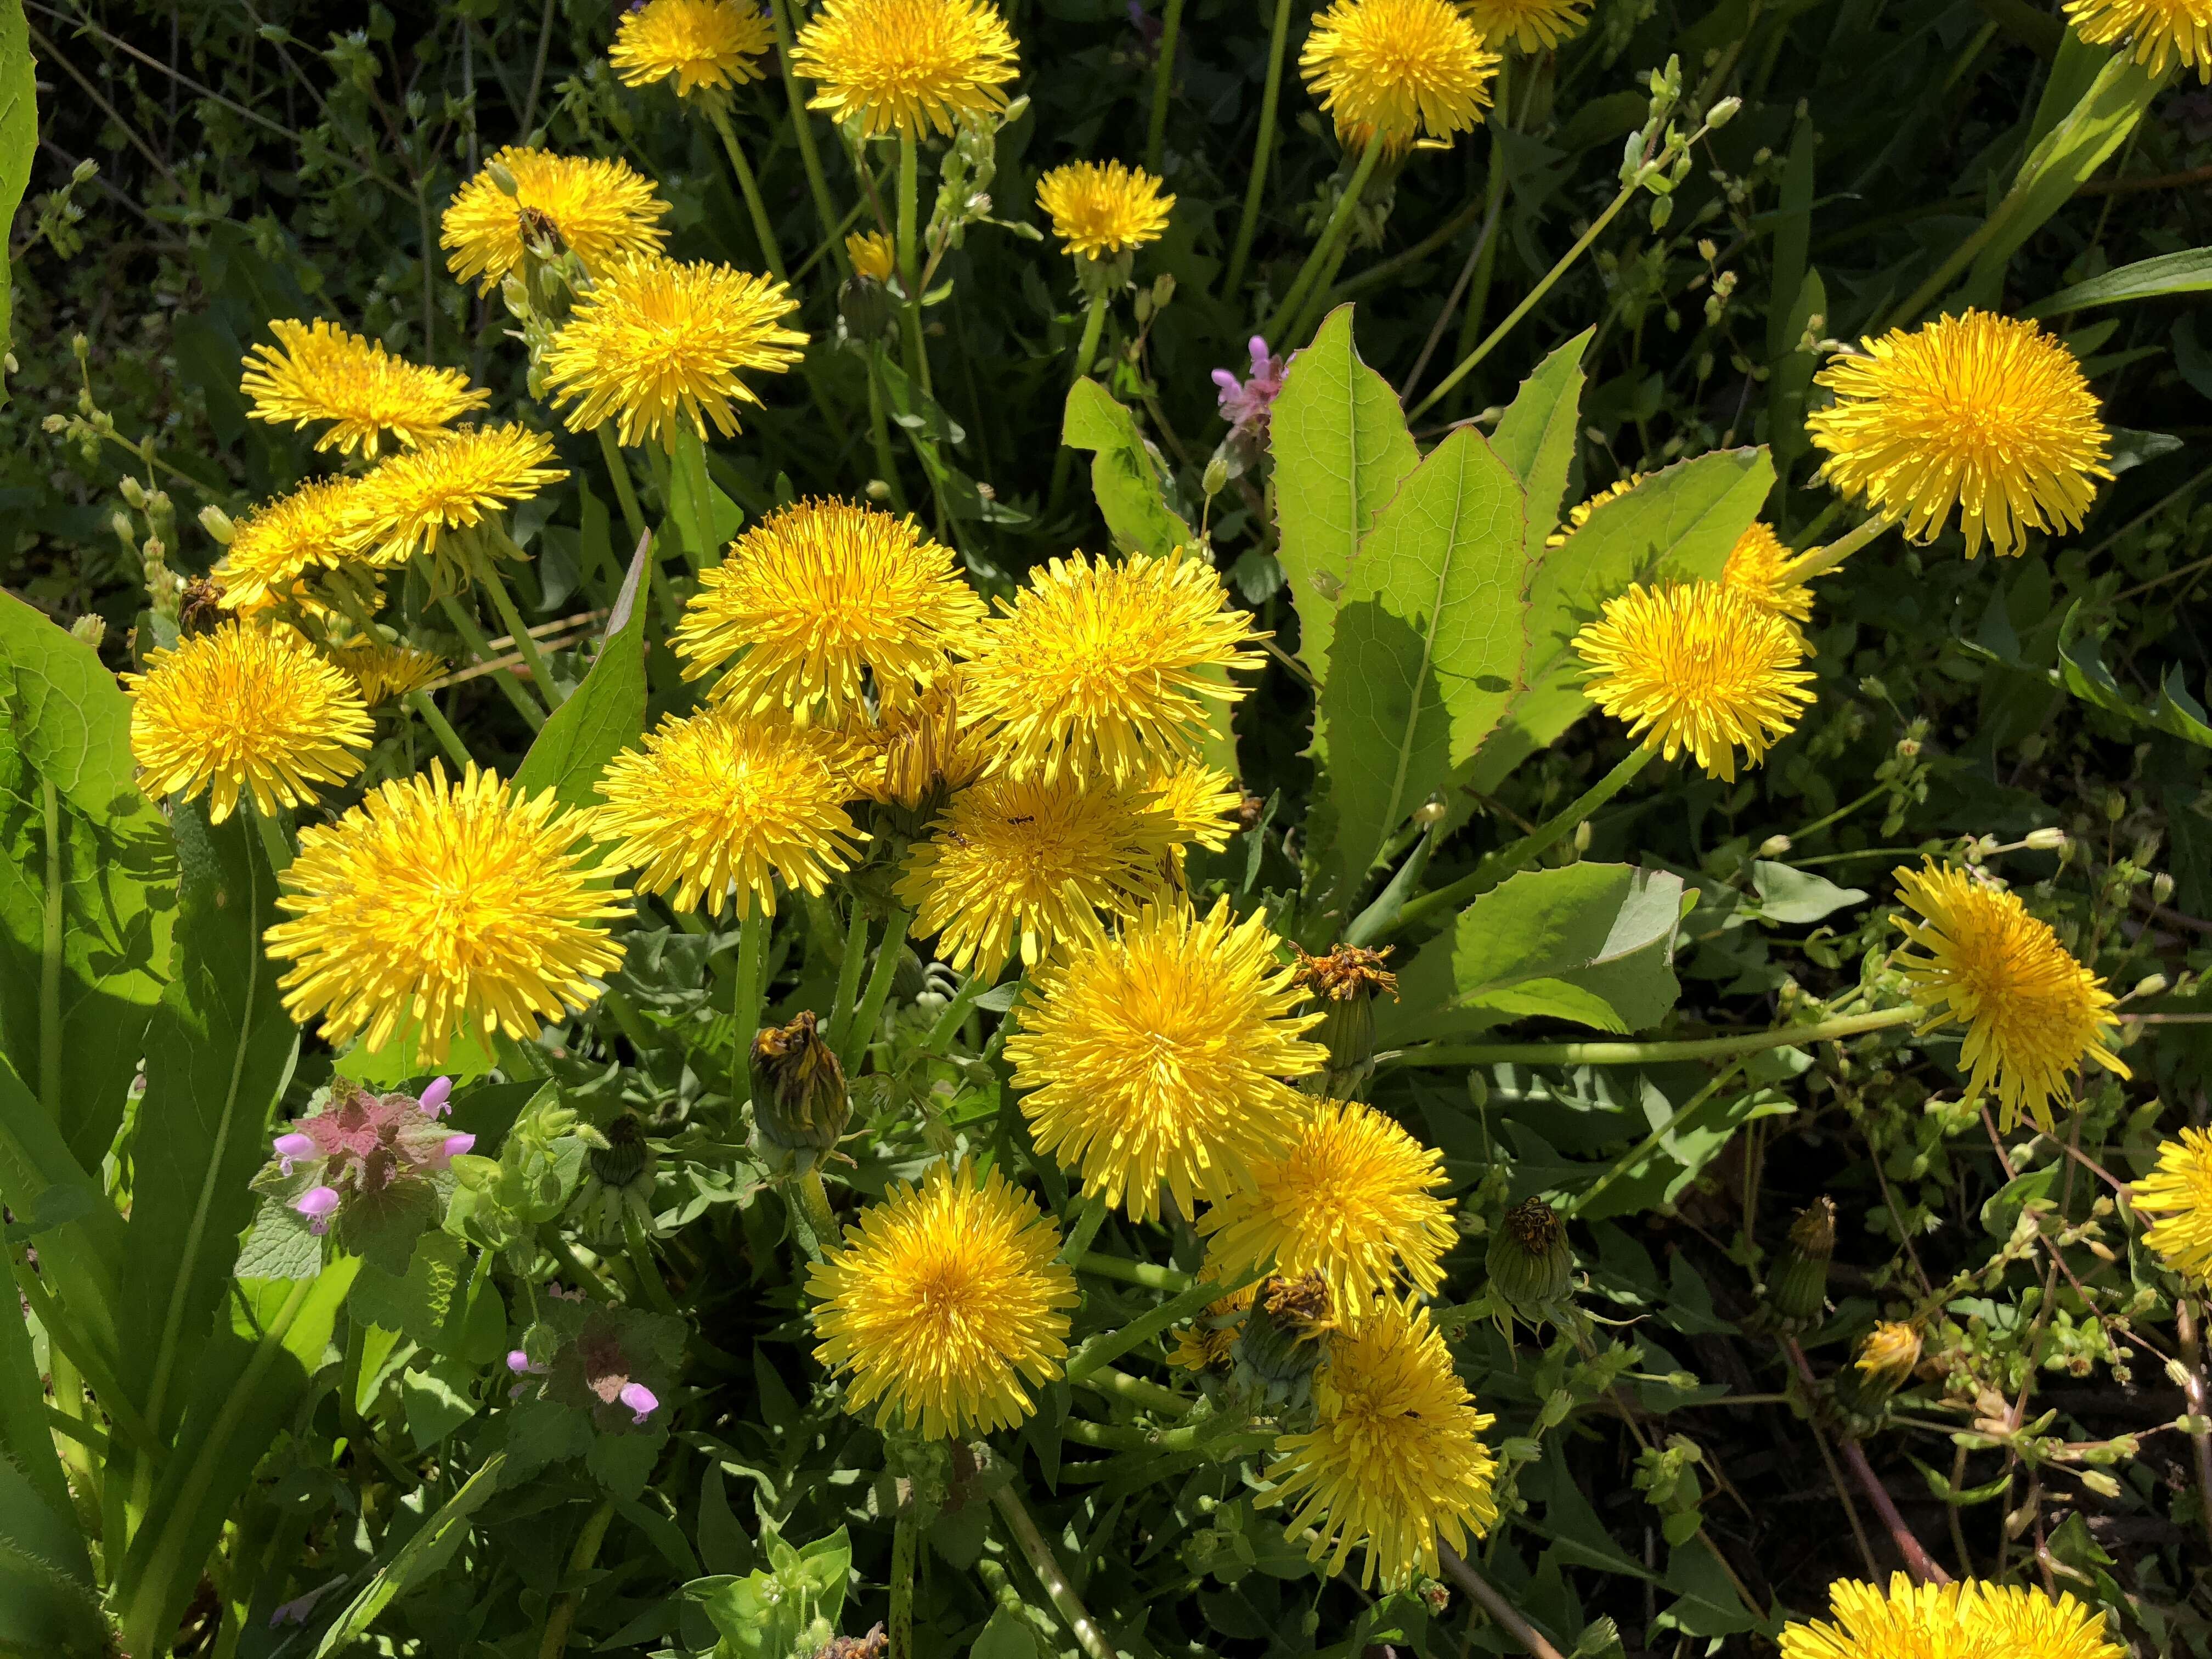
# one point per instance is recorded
(1428, 644)
(1677, 523)
(1537, 434)
(218, 1055)
(72, 720)
(19, 142)
(45, 1612)
(605, 715)
(705, 518)
(1126, 477)
(437, 1304)
(436, 1400)
(1006, 1636)
(1706, 1603)
(1593, 942)
(84, 1262)
(421, 1556)
(1795, 897)
(2072, 73)
(1341, 449)
(36, 1517)
(2188, 272)
(2080, 663)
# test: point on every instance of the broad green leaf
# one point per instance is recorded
(72, 720)
(36, 1517)
(430, 1548)
(1793, 231)
(436, 1400)
(1537, 434)
(1677, 523)
(1790, 380)
(2188, 272)
(82, 1263)
(2080, 663)
(1341, 449)
(1797, 899)
(2072, 73)
(1706, 1603)
(1007, 1636)
(439, 1304)
(218, 1055)
(1593, 942)
(1428, 645)
(605, 715)
(1125, 476)
(19, 142)
(43, 1611)
(1660, 1174)
(705, 518)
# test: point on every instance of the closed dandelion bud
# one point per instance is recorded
(1797, 1294)
(2043, 841)
(1345, 982)
(499, 174)
(624, 1158)
(1530, 1263)
(1880, 1365)
(1279, 1344)
(2151, 984)
(800, 1103)
(866, 306)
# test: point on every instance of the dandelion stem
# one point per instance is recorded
(905, 1538)
(955, 1011)
(1482, 1592)
(1339, 226)
(909, 211)
(1262, 150)
(480, 648)
(273, 843)
(1647, 1054)
(746, 996)
(809, 157)
(849, 975)
(1921, 1565)
(814, 1203)
(1821, 560)
(718, 111)
(519, 632)
(879, 430)
(618, 474)
(1038, 1553)
(563, 1617)
(863, 1028)
(1131, 1273)
(1163, 85)
(1107, 1347)
(1087, 352)
(1088, 1220)
(440, 728)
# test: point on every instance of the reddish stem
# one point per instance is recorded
(1921, 1564)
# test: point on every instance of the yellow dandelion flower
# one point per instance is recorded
(2026, 1624)
(946, 1304)
(916, 755)
(318, 372)
(244, 710)
(1200, 801)
(1099, 667)
(1395, 1463)
(2181, 1192)
(448, 907)
(906, 65)
(1353, 1201)
(1527, 25)
(1028, 862)
(1887, 1353)
(1390, 70)
(656, 341)
(1579, 515)
(443, 500)
(1910, 1621)
(819, 602)
(600, 210)
(1984, 413)
(1755, 569)
(1204, 1344)
(2164, 32)
(2032, 1014)
(1102, 207)
(724, 801)
(274, 548)
(1156, 1057)
(710, 44)
(873, 253)
(384, 671)
(1696, 667)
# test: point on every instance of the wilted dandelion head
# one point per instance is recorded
(601, 210)
(1389, 71)
(1527, 26)
(2032, 1014)
(874, 254)
(274, 548)
(245, 710)
(1103, 207)
(318, 372)
(1982, 413)
(2179, 1193)
(916, 753)
(2164, 32)
(707, 44)
(906, 65)
(945, 1304)
(416, 503)
(656, 341)
(1756, 568)
(1696, 667)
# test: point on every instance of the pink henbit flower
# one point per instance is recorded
(1245, 404)
(456, 1145)
(438, 1098)
(641, 1400)
(292, 1147)
(318, 1205)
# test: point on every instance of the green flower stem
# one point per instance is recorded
(647, 1267)
(1507, 1617)
(618, 476)
(274, 845)
(1523, 853)
(718, 111)
(1647, 1053)
(518, 631)
(1339, 226)
(480, 648)
(1162, 86)
(1133, 1273)
(955, 1012)
(554, 1642)
(1262, 150)
(1309, 316)
(909, 269)
(567, 1262)
(1046, 1566)
(440, 728)
(906, 1537)
(825, 207)
(1819, 560)
(1087, 352)
(1088, 1220)
(848, 974)
(863, 1028)
(1135, 1391)
(814, 1204)
(745, 997)
(1107, 1347)
(879, 430)
(1677, 1120)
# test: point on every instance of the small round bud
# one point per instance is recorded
(133, 492)
(89, 630)
(799, 1104)
(877, 490)
(1217, 478)
(503, 178)
(2161, 888)
(1582, 836)
(2116, 806)
(1531, 1266)
(218, 524)
(1428, 814)
(1723, 112)
(2045, 841)
(2151, 984)
(1774, 847)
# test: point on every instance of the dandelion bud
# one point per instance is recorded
(89, 630)
(1797, 1294)
(1217, 478)
(1346, 981)
(1530, 1264)
(2151, 984)
(292, 1147)
(866, 306)
(1723, 112)
(318, 1205)
(2045, 841)
(624, 1157)
(1883, 1360)
(503, 178)
(800, 1103)
(641, 1401)
(437, 1099)
(1278, 1346)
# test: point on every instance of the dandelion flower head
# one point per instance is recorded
(2165, 32)
(1395, 1462)
(1200, 802)
(1204, 1344)
(446, 909)
(1103, 207)
(946, 1304)
(1908, 1621)
(385, 671)
(1155, 1057)
(874, 254)
(726, 802)
(1982, 413)
(705, 44)
(420, 501)
(819, 601)
(906, 66)
(657, 341)
(1756, 568)
(320, 372)
(1527, 25)
(601, 210)
(1696, 666)
(2020, 1623)
(245, 710)
(1353, 1201)
(1579, 514)
(2032, 1014)
(274, 548)
(1101, 666)
(1391, 69)
(2179, 1193)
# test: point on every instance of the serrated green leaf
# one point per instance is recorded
(1536, 438)
(605, 715)
(72, 720)
(2082, 665)
(19, 142)
(1125, 477)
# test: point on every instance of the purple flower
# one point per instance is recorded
(1245, 404)
(641, 1400)
(294, 1146)
(318, 1203)
(456, 1145)
(437, 1099)
(1150, 29)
